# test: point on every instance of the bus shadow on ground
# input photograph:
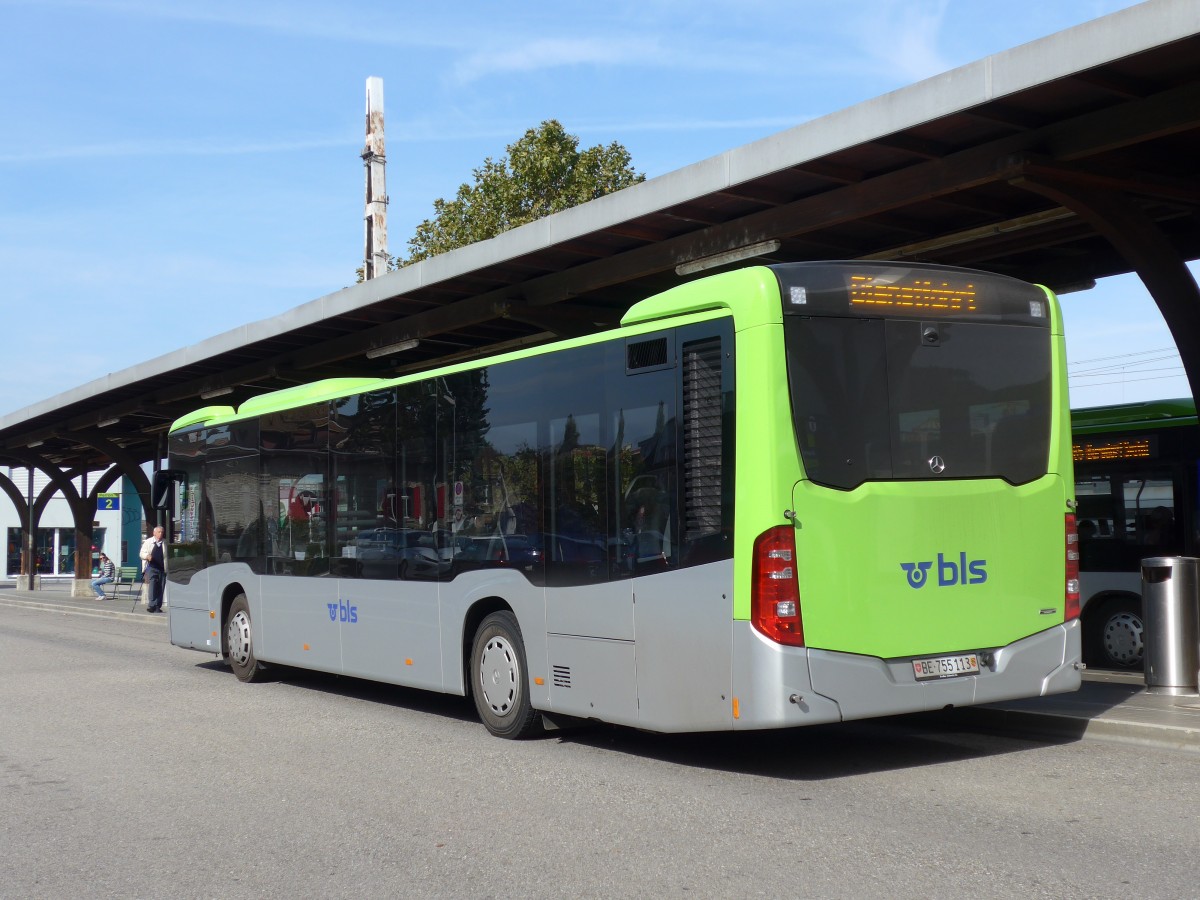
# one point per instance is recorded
(447, 706)
(815, 753)
(821, 752)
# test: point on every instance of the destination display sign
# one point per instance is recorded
(1111, 449)
(909, 291)
(931, 296)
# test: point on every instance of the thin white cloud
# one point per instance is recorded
(655, 39)
(900, 39)
(503, 56)
(509, 54)
(177, 147)
(399, 132)
(320, 21)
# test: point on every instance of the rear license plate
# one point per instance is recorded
(946, 666)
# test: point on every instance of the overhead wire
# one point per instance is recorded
(1131, 367)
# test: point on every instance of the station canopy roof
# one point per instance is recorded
(945, 170)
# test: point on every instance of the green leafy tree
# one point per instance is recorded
(544, 172)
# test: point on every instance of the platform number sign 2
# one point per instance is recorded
(108, 502)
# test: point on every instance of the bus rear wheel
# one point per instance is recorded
(1116, 635)
(499, 685)
(239, 641)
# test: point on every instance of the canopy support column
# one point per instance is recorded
(1146, 248)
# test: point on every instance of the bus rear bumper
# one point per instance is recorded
(783, 686)
(1056, 653)
(1044, 663)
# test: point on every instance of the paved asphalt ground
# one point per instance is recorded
(1109, 707)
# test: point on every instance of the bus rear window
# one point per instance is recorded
(886, 399)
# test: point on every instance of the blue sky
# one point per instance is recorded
(172, 169)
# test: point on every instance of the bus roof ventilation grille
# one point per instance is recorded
(651, 354)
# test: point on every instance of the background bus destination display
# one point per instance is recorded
(1113, 449)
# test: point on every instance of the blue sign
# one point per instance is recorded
(108, 501)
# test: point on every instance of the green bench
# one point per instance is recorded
(127, 577)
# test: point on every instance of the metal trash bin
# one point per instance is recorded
(1171, 618)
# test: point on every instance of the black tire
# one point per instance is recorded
(499, 679)
(1114, 634)
(238, 642)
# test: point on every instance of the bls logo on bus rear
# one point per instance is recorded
(343, 612)
(949, 571)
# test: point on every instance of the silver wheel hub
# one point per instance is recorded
(238, 633)
(499, 675)
(1123, 638)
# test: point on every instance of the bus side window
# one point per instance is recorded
(239, 530)
(365, 510)
(294, 453)
(1158, 530)
(645, 477)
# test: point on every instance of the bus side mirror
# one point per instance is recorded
(162, 489)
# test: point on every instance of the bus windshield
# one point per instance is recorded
(899, 392)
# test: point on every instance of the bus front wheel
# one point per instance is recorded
(239, 641)
(1116, 634)
(499, 685)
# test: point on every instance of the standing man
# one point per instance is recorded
(154, 569)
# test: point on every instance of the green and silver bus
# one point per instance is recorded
(1138, 488)
(777, 496)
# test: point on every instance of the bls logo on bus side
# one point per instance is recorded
(949, 571)
(342, 611)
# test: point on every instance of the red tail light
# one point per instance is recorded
(774, 595)
(1071, 605)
